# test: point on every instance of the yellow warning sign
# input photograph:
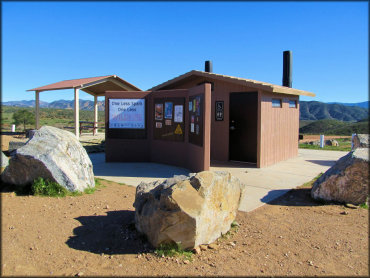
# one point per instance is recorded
(178, 130)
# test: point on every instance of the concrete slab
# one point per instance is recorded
(261, 185)
(132, 173)
(266, 184)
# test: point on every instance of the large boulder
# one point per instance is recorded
(347, 181)
(4, 162)
(187, 210)
(52, 154)
(361, 141)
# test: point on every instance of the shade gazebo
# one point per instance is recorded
(95, 86)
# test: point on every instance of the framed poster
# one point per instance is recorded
(127, 113)
(179, 112)
(168, 107)
(158, 112)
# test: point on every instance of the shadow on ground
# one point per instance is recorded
(295, 197)
(323, 162)
(110, 234)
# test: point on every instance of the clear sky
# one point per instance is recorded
(148, 43)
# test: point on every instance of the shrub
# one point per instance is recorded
(172, 250)
(48, 188)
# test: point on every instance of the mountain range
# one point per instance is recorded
(309, 110)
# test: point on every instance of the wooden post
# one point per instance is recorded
(77, 114)
(95, 129)
(37, 109)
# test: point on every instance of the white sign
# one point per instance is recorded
(127, 113)
(178, 113)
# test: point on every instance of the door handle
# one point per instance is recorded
(232, 127)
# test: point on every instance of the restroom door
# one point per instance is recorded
(243, 127)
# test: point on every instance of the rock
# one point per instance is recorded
(361, 141)
(351, 206)
(4, 160)
(188, 210)
(30, 133)
(315, 143)
(54, 155)
(213, 246)
(13, 145)
(347, 181)
(197, 250)
(203, 247)
(332, 142)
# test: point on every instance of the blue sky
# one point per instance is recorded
(148, 43)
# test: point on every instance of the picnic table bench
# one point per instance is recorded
(87, 125)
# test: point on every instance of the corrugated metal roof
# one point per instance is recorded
(242, 81)
(83, 82)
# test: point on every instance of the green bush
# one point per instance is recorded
(48, 188)
(172, 250)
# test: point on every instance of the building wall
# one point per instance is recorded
(279, 129)
(219, 129)
(148, 149)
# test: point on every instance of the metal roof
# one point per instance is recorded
(92, 85)
(242, 81)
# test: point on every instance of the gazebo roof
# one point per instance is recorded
(92, 85)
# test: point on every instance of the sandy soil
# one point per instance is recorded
(93, 235)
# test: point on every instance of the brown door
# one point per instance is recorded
(243, 127)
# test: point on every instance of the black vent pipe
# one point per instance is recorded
(287, 68)
(208, 66)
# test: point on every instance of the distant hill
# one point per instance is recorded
(315, 110)
(335, 127)
(58, 104)
(25, 103)
(364, 104)
(309, 110)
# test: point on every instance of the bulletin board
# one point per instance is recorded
(196, 114)
(126, 118)
(169, 119)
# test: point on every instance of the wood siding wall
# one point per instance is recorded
(279, 129)
(148, 149)
(219, 129)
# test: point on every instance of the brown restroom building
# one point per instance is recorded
(255, 121)
(239, 120)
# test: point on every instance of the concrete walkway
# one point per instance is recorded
(261, 185)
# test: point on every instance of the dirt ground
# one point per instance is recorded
(92, 235)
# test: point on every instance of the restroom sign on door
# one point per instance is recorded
(219, 110)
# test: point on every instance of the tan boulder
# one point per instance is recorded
(187, 210)
(347, 181)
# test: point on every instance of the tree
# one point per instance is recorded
(24, 117)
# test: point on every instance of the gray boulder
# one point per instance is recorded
(361, 141)
(347, 181)
(13, 145)
(52, 154)
(4, 161)
(187, 210)
(315, 143)
(332, 142)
